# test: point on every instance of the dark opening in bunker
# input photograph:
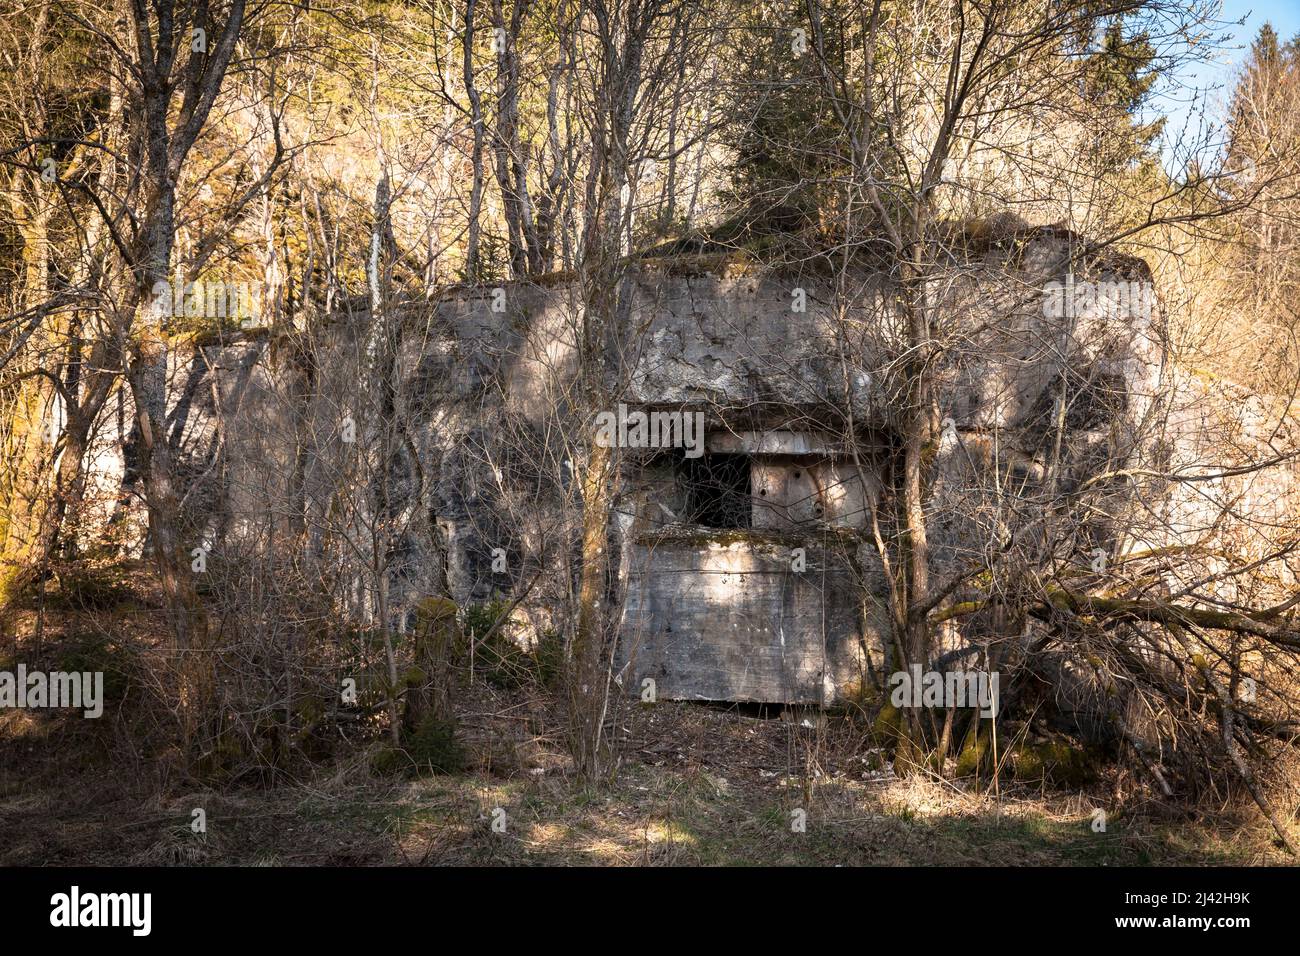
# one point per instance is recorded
(717, 490)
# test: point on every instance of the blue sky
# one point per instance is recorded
(1214, 79)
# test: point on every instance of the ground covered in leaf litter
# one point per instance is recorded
(696, 785)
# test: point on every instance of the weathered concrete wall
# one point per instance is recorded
(746, 617)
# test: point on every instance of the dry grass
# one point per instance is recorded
(697, 786)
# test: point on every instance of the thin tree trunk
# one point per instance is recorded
(472, 266)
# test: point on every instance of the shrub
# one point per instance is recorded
(500, 660)
(432, 747)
